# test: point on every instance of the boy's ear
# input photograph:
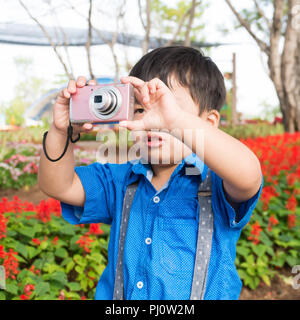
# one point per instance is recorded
(213, 117)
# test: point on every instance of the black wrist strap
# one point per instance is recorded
(69, 137)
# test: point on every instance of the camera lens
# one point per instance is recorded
(97, 99)
(106, 102)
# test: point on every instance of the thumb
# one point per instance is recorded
(133, 125)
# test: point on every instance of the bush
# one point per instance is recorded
(45, 257)
(272, 239)
(253, 130)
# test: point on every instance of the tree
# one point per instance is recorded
(278, 37)
(178, 21)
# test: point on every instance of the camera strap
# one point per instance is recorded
(69, 137)
(204, 240)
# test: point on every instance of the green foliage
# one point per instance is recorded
(253, 130)
(167, 15)
(57, 266)
(278, 244)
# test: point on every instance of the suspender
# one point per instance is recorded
(204, 240)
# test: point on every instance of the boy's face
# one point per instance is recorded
(161, 147)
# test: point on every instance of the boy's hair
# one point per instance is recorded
(190, 68)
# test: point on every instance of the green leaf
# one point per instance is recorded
(84, 284)
(2, 295)
(42, 288)
(70, 266)
(259, 250)
(68, 230)
(28, 232)
(291, 261)
(20, 248)
(32, 252)
(266, 279)
(74, 286)
(60, 277)
(61, 253)
(11, 288)
(242, 251)
(44, 245)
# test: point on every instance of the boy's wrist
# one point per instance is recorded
(57, 132)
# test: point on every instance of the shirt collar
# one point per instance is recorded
(192, 165)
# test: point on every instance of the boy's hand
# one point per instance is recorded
(61, 108)
(161, 108)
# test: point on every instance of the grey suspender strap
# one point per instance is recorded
(204, 240)
(119, 283)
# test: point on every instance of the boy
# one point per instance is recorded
(176, 88)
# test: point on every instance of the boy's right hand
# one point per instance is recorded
(61, 113)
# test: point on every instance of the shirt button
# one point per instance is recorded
(156, 199)
(140, 284)
(148, 240)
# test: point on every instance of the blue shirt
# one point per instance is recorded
(160, 246)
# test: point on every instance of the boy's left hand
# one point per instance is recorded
(161, 108)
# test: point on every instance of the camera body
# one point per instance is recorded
(104, 103)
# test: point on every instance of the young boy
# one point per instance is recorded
(178, 246)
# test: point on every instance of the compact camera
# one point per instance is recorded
(104, 103)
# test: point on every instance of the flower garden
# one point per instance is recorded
(46, 258)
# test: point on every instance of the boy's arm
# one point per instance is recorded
(58, 179)
(229, 158)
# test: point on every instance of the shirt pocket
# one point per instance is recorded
(177, 245)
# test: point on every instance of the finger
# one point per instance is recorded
(139, 98)
(92, 82)
(133, 125)
(151, 87)
(87, 126)
(71, 86)
(136, 82)
(144, 91)
(66, 93)
(158, 83)
(81, 81)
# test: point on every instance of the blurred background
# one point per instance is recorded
(44, 43)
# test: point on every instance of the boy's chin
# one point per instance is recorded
(162, 161)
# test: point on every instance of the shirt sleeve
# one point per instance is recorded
(99, 190)
(236, 219)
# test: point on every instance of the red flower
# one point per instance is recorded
(85, 242)
(2, 252)
(95, 229)
(292, 203)
(28, 289)
(83, 298)
(266, 194)
(11, 264)
(292, 220)
(24, 297)
(36, 241)
(272, 222)
(54, 241)
(255, 232)
(3, 222)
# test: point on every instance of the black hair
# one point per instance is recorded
(191, 68)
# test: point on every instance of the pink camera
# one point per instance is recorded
(104, 103)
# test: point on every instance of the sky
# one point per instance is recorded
(254, 86)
